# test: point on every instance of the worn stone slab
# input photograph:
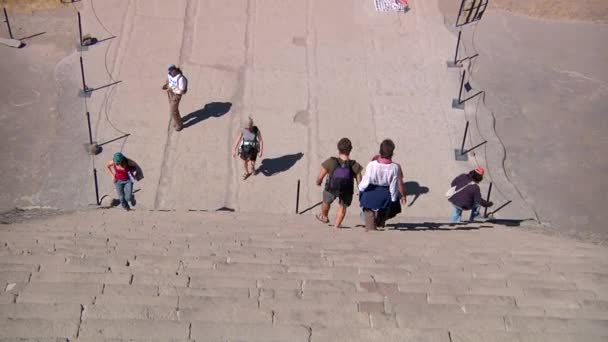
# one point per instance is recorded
(473, 336)
(14, 277)
(320, 317)
(160, 280)
(225, 292)
(229, 314)
(447, 319)
(40, 311)
(221, 282)
(34, 328)
(379, 335)
(78, 277)
(471, 299)
(556, 325)
(134, 329)
(193, 302)
(130, 290)
(329, 285)
(202, 331)
(170, 301)
(130, 311)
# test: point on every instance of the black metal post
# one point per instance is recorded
(89, 125)
(502, 206)
(459, 92)
(457, 46)
(298, 198)
(80, 29)
(464, 137)
(84, 84)
(113, 140)
(96, 186)
(476, 146)
(485, 210)
(8, 24)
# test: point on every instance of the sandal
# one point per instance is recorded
(246, 175)
(320, 218)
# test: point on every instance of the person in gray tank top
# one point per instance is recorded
(249, 145)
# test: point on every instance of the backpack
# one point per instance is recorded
(247, 146)
(452, 191)
(341, 181)
(185, 84)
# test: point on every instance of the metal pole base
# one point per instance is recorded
(451, 64)
(81, 48)
(457, 104)
(93, 149)
(459, 156)
(11, 42)
(85, 93)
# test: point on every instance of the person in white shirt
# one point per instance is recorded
(381, 190)
(176, 86)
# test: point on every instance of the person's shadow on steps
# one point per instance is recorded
(273, 166)
(213, 109)
(413, 188)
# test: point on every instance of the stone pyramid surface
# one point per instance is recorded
(219, 276)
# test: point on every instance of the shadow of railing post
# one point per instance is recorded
(454, 63)
(497, 209)
(458, 62)
(478, 7)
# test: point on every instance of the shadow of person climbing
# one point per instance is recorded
(413, 188)
(213, 109)
(272, 166)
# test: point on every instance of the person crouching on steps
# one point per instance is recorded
(249, 145)
(123, 172)
(381, 192)
(342, 171)
(176, 86)
(466, 195)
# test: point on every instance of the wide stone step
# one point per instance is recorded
(226, 276)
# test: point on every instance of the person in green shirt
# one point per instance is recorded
(341, 172)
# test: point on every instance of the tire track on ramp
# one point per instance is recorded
(172, 139)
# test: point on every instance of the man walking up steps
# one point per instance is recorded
(176, 86)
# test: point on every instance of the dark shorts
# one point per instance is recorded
(252, 155)
(344, 199)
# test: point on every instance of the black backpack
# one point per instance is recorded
(341, 180)
(248, 146)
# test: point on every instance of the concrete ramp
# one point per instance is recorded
(308, 72)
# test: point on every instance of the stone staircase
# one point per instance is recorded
(218, 276)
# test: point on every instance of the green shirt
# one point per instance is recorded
(330, 165)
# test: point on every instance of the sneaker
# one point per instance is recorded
(125, 206)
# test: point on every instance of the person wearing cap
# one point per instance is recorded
(123, 171)
(466, 195)
(176, 86)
